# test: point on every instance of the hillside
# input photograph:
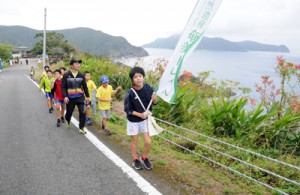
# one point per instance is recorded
(218, 44)
(86, 39)
(18, 35)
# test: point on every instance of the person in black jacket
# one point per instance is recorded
(73, 88)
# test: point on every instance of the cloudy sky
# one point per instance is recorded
(142, 21)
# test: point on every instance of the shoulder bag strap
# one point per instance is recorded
(141, 101)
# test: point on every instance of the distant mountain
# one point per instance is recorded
(18, 35)
(218, 44)
(255, 46)
(86, 39)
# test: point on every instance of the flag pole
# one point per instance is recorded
(201, 16)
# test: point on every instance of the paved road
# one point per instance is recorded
(36, 157)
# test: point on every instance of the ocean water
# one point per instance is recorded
(243, 67)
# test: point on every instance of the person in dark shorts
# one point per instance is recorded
(58, 97)
(46, 84)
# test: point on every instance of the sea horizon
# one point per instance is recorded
(246, 68)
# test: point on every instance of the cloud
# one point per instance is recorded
(142, 21)
(266, 21)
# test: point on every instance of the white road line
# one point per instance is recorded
(144, 185)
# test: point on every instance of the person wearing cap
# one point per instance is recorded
(75, 93)
(104, 94)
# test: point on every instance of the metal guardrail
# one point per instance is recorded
(231, 145)
(234, 158)
(224, 154)
(225, 167)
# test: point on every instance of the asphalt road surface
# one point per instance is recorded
(36, 157)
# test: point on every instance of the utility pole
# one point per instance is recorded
(44, 42)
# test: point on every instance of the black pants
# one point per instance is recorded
(79, 102)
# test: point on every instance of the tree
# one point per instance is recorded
(57, 47)
(5, 51)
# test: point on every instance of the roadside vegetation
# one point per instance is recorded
(58, 48)
(221, 109)
(5, 51)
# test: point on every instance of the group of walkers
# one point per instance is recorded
(11, 62)
(19, 61)
(68, 89)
